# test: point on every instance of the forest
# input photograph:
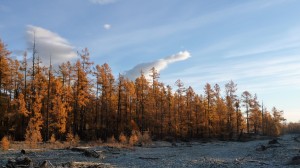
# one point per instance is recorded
(79, 98)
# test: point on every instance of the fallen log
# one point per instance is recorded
(19, 162)
(273, 141)
(87, 152)
(91, 153)
(86, 165)
(46, 164)
(261, 148)
(78, 149)
(296, 139)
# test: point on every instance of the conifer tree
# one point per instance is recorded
(209, 113)
(142, 89)
(33, 131)
(59, 109)
(246, 98)
(231, 99)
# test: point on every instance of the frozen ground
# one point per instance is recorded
(164, 154)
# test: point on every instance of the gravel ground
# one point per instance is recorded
(164, 154)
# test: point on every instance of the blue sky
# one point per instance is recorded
(255, 43)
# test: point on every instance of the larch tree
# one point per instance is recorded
(120, 94)
(142, 89)
(190, 103)
(221, 110)
(59, 109)
(162, 105)
(231, 99)
(130, 105)
(209, 113)
(66, 75)
(4, 86)
(105, 81)
(35, 100)
(179, 111)
(15, 88)
(170, 102)
(23, 100)
(33, 131)
(255, 115)
(276, 126)
(153, 98)
(48, 101)
(246, 99)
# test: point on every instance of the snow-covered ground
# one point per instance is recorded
(164, 154)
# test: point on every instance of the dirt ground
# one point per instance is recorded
(258, 153)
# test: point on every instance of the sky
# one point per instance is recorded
(255, 43)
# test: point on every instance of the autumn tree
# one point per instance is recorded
(255, 115)
(179, 110)
(246, 99)
(141, 90)
(33, 131)
(209, 111)
(154, 97)
(4, 83)
(71, 101)
(66, 76)
(130, 104)
(121, 96)
(81, 91)
(276, 122)
(105, 82)
(170, 102)
(59, 110)
(231, 100)
(190, 103)
(221, 112)
(23, 101)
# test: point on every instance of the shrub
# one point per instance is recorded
(52, 138)
(76, 139)
(111, 140)
(70, 137)
(146, 138)
(5, 143)
(134, 139)
(122, 138)
(33, 138)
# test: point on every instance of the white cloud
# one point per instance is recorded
(158, 65)
(50, 44)
(103, 2)
(107, 26)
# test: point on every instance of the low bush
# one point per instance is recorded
(5, 143)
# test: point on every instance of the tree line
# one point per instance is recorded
(80, 98)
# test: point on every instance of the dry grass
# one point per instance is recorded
(19, 145)
(72, 141)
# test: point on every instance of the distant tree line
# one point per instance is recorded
(37, 102)
(293, 128)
